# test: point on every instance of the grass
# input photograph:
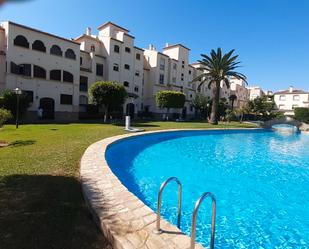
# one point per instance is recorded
(41, 205)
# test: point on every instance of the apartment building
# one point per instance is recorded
(44, 66)
(56, 72)
(168, 70)
(287, 100)
(112, 54)
(239, 89)
(255, 92)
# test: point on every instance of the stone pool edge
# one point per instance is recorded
(121, 216)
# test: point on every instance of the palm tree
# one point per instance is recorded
(216, 69)
(232, 98)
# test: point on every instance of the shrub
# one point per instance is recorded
(8, 101)
(302, 114)
(4, 116)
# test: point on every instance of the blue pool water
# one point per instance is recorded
(260, 179)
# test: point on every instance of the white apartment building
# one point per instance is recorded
(287, 100)
(239, 89)
(43, 65)
(56, 72)
(255, 92)
(119, 59)
(168, 70)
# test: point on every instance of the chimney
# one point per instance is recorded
(88, 31)
(150, 46)
(291, 89)
(167, 45)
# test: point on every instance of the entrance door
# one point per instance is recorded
(48, 106)
(130, 110)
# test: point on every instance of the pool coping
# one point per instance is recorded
(122, 217)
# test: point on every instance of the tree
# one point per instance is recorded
(302, 114)
(232, 98)
(261, 106)
(8, 101)
(218, 68)
(170, 99)
(201, 103)
(108, 95)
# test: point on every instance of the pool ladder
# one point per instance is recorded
(158, 229)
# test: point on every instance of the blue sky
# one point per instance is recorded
(271, 36)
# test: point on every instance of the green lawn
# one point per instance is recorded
(41, 205)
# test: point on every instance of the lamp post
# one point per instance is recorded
(207, 111)
(18, 92)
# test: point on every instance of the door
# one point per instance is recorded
(48, 106)
(130, 110)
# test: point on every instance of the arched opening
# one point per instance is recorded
(55, 75)
(21, 41)
(56, 50)
(39, 46)
(48, 107)
(70, 54)
(130, 110)
(68, 77)
(39, 72)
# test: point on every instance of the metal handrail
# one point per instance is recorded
(158, 229)
(213, 219)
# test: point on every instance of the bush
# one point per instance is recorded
(5, 115)
(302, 114)
(8, 101)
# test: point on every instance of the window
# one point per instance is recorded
(116, 49)
(126, 83)
(55, 75)
(83, 83)
(281, 107)
(282, 97)
(99, 69)
(296, 97)
(138, 56)
(21, 41)
(174, 79)
(182, 77)
(116, 67)
(294, 106)
(189, 71)
(161, 79)
(126, 66)
(162, 64)
(39, 46)
(39, 72)
(183, 64)
(24, 69)
(80, 60)
(68, 77)
(29, 96)
(14, 68)
(66, 99)
(174, 66)
(83, 100)
(136, 89)
(92, 48)
(137, 73)
(56, 50)
(127, 49)
(70, 54)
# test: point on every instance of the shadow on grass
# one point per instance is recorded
(19, 143)
(44, 211)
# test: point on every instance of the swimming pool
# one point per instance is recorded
(260, 179)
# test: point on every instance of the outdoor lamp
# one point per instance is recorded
(18, 92)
